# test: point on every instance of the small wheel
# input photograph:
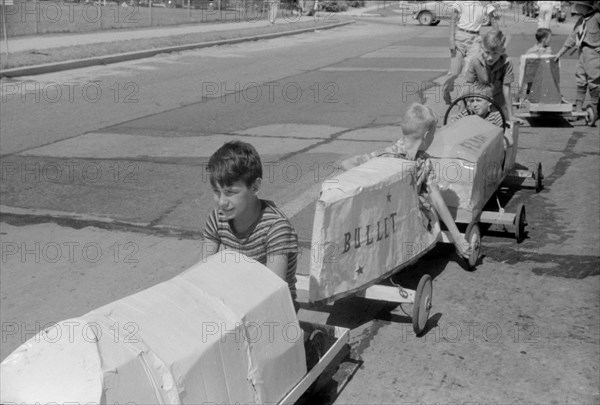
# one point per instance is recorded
(473, 237)
(590, 115)
(538, 176)
(425, 18)
(314, 348)
(422, 304)
(520, 223)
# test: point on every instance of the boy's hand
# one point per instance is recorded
(463, 248)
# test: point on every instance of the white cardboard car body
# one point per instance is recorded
(221, 332)
(367, 226)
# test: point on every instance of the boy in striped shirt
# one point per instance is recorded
(244, 223)
(480, 106)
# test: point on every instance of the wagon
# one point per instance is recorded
(539, 93)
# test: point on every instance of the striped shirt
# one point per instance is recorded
(494, 117)
(271, 234)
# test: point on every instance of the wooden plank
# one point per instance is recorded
(389, 293)
(312, 375)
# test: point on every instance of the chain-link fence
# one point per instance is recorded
(34, 17)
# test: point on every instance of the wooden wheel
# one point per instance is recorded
(473, 237)
(520, 223)
(422, 304)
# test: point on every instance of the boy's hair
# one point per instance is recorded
(542, 33)
(418, 119)
(232, 162)
(494, 40)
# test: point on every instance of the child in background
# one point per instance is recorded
(491, 70)
(542, 47)
(586, 38)
(465, 25)
(482, 107)
(244, 223)
(418, 129)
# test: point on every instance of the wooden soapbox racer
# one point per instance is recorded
(473, 168)
(369, 225)
(224, 331)
(539, 93)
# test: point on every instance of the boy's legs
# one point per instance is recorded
(545, 15)
(587, 77)
(464, 42)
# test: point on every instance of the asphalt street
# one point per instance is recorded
(104, 193)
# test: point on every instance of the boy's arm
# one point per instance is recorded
(453, 21)
(442, 209)
(211, 242)
(360, 159)
(209, 248)
(278, 264)
(508, 101)
(570, 41)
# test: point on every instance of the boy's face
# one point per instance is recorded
(546, 41)
(235, 200)
(491, 56)
(479, 106)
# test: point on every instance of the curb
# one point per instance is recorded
(31, 216)
(122, 57)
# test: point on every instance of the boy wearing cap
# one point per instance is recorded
(586, 38)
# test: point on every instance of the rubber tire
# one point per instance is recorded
(590, 117)
(520, 223)
(473, 237)
(425, 18)
(314, 348)
(539, 177)
(422, 304)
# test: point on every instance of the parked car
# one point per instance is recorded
(432, 12)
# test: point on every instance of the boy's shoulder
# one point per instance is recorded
(272, 213)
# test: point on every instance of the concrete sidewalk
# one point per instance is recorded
(49, 41)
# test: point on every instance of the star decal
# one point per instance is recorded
(359, 270)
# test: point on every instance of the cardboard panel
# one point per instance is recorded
(469, 158)
(367, 225)
(221, 332)
(539, 79)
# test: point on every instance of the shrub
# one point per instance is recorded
(335, 5)
(356, 3)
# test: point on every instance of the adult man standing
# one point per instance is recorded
(545, 9)
(465, 24)
(273, 9)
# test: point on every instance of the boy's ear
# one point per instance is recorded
(255, 187)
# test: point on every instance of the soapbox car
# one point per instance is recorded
(472, 168)
(224, 331)
(368, 226)
(539, 93)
